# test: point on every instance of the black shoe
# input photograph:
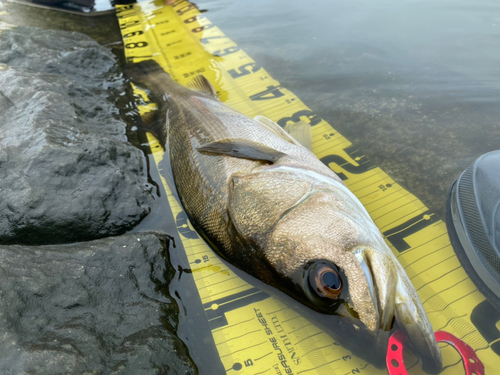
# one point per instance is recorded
(473, 221)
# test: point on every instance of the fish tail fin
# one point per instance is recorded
(152, 123)
(151, 75)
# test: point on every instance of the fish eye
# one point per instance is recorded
(325, 281)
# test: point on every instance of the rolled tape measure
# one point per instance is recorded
(253, 332)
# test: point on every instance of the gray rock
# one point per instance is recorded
(67, 172)
(100, 307)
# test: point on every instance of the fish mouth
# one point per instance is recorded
(398, 306)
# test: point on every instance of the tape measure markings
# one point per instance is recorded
(387, 200)
(436, 254)
(372, 174)
(430, 244)
(465, 279)
(465, 286)
(461, 299)
(216, 284)
(431, 272)
(245, 87)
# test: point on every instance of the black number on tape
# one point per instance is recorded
(207, 40)
(186, 9)
(124, 8)
(364, 164)
(226, 51)
(201, 28)
(136, 45)
(183, 227)
(396, 236)
(312, 118)
(487, 320)
(190, 19)
(128, 24)
(217, 318)
(135, 33)
(243, 71)
(272, 92)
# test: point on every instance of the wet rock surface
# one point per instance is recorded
(100, 307)
(67, 172)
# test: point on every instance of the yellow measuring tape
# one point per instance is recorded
(255, 333)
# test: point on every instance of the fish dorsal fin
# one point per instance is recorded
(202, 84)
(274, 128)
(302, 132)
(242, 148)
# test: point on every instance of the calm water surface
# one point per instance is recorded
(414, 84)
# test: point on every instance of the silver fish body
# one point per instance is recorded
(270, 207)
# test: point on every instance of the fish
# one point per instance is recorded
(268, 206)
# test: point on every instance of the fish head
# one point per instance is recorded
(341, 266)
(326, 252)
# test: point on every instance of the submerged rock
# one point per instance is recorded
(100, 307)
(67, 172)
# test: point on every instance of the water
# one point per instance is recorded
(413, 84)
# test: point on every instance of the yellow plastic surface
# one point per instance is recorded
(258, 335)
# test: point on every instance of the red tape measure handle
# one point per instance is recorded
(396, 366)
(472, 363)
(394, 359)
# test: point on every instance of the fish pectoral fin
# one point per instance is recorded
(274, 128)
(242, 148)
(202, 84)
